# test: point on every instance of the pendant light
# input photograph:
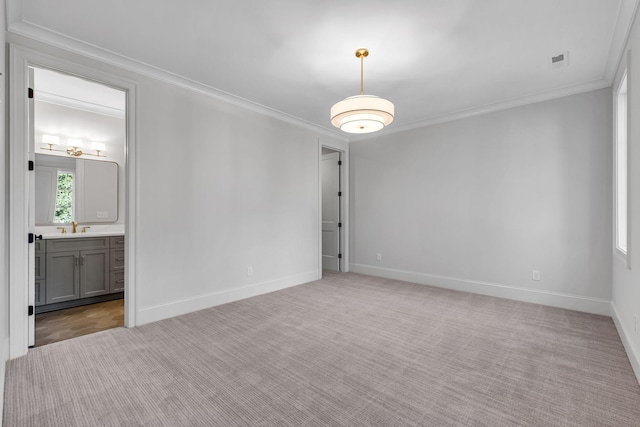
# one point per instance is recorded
(362, 113)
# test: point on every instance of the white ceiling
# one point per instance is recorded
(434, 59)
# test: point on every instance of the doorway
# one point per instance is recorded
(77, 134)
(21, 228)
(332, 210)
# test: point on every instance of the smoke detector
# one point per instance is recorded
(559, 60)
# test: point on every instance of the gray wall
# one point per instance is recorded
(626, 282)
(220, 189)
(486, 200)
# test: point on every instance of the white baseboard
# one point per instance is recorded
(553, 299)
(634, 358)
(176, 308)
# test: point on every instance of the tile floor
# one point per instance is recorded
(77, 321)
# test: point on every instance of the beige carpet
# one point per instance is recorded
(349, 350)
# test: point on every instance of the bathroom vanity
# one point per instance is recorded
(72, 271)
(77, 264)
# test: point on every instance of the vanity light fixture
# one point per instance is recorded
(362, 113)
(74, 146)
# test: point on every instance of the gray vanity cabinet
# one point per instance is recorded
(40, 273)
(117, 258)
(76, 268)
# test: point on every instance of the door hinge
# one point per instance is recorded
(339, 224)
(30, 310)
(30, 93)
(339, 193)
(339, 162)
(339, 255)
(31, 165)
(32, 237)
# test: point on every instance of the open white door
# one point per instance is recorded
(31, 282)
(331, 212)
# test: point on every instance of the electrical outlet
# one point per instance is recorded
(535, 275)
(379, 257)
(249, 271)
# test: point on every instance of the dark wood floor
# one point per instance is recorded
(74, 322)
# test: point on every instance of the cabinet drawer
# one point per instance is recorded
(41, 292)
(117, 259)
(40, 269)
(39, 245)
(72, 244)
(116, 284)
(117, 242)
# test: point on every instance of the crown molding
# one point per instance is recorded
(43, 35)
(493, 107)
(23, 28)
(78, 104)
(624, 21)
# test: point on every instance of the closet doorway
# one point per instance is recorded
(332, 210)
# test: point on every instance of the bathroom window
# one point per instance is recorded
(621, 170)
(64, 198)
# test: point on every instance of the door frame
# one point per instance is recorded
(343, 148)
(20, 59)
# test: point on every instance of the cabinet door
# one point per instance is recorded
(63, 280)
(94, 272)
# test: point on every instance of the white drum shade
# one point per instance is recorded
(362, 114)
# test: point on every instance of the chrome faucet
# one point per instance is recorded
(74, 224)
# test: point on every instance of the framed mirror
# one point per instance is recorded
(74, 189)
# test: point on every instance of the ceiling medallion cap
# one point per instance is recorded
(362, 52)
(362, 114)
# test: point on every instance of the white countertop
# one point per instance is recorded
(94, 230)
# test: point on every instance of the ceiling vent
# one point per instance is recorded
(559, 60)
